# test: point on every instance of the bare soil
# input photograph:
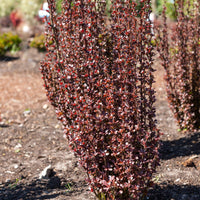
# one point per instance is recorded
(31, 138)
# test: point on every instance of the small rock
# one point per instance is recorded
(45, 106)
(16, 166)
(177, 180)
(47, 173)
(189, 162)
(8, 180)
(18, 146)
(41, 156)
(57, 126)
(26, 112)
(9, 172)
(21, 125)
(3, 125)
(27, 155)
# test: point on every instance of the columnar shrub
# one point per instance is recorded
(180, 53)
(98, 75)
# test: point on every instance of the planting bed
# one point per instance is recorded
(31, 139)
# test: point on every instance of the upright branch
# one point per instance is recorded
(180, 53)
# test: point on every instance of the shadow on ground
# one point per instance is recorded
(174, 192)
(2, 125)
(35, 190)
(40, 189)
(8, 58)
(186, 146)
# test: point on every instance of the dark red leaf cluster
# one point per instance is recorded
(16, 18)
(98, 75)
(180, 53)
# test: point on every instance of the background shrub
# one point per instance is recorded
(170, 8)
(99, 78)
(29, 8)
(38, 42)
(7, 6)
(59, 5)
(9, 42)
(180, 53)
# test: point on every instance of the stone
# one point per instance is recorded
(189, 162)
(47, 173)
(45, 106)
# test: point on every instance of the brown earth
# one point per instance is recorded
(31, 139)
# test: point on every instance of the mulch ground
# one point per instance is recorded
(31, 138)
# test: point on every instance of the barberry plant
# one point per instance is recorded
(179, 50)
(98, 75)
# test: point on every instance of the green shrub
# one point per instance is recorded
(29, 8)
(9, 42)
(170, 8)
(38, 42)
(59, 5)
(7, 6)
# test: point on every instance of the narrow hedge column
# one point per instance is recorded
(180, 53)
(98, 75)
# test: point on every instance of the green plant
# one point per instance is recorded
(68, 187)
(170, 8)
(59, 5)
(14, 185)
(38, 42)
(29, 8)
(9, 42)
(99, 79)
(7, 6)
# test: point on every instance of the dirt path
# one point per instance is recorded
(31, 139)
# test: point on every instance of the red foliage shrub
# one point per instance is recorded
(16, 18)
(99, 79)
(180, 53)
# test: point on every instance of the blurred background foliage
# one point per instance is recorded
(170, 7)
(29, 8)
(9, 42)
